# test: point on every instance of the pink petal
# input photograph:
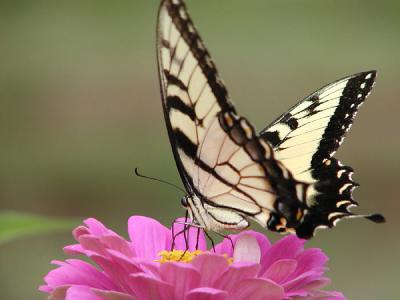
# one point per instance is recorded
(132, 265)
(308, 289)
(119, 274)
(302, 281)
(150, 267)
(80, 292)
(257, 289)
(111, 295)
(117, 243)
(97, 228)
(280, 270)
(235, 274)
(183, 277)
(75, 249)
(310, 259)
(247, 249)
(80, 230)
(206, 294)
(77, 272)
(210, 266)
(147, 287)
(91, 244)
(189, 239)
(45, 289)
(225, 247)
(287, 248)
(148, 236)
(129, 265)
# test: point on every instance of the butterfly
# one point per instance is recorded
(285, 177)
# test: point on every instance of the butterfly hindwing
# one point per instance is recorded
(306, 137)
(313, 129)
(236, 170)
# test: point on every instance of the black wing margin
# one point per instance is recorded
(305, 139)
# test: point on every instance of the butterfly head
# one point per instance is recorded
(190, 203)
(194, 208)
(185, 201)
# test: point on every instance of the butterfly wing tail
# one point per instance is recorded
(331, 200)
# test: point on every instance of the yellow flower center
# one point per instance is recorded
(183, 256)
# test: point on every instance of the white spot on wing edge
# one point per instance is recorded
(319, 227)
(343, 202)
(340, 172)
(344, 187)
(182, 13)
(335, 214)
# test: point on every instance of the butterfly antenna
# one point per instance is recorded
(159, 180)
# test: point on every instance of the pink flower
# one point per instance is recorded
(144, 268)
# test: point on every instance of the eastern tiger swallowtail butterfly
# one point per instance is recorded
(284, 177)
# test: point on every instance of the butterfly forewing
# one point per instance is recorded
(192, 92)
(231, 168)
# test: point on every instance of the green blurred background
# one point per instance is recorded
(80, 109)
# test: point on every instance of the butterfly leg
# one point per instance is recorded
(197, 238)
(228, 238)
(186, 232)
(175, 235)
(186, 228)
(189, 224)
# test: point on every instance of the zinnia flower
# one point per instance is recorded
(145, 268)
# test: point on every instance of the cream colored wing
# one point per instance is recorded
(307, 136)
(236, 170)
(192, 92)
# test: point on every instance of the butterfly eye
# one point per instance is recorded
(184, 201)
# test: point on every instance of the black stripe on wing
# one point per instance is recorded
(184, 143)
(183, 22)
(269, 192)
(356, 91)
(191, 89)
(327, 114)
(330, 197)
(174, 102)
(287, 203)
